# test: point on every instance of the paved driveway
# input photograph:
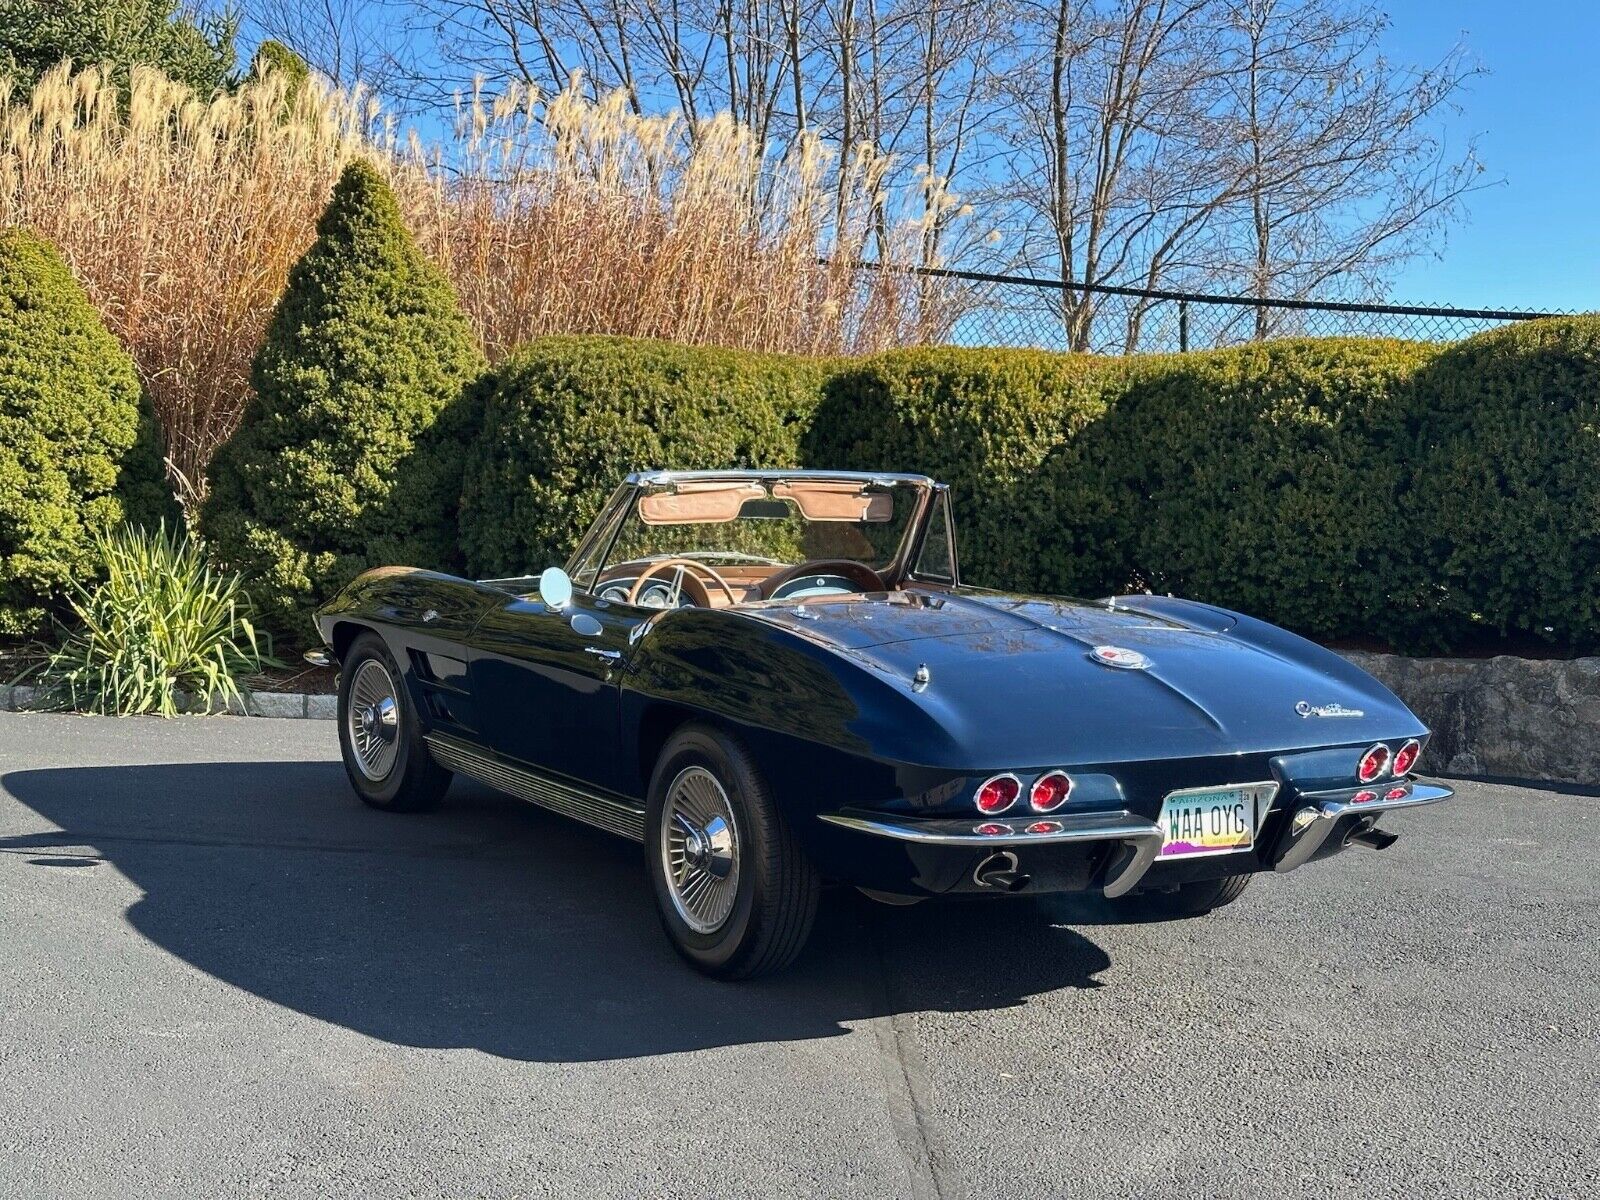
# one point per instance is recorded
(220, 975)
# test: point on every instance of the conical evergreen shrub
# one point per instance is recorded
(324, 477)
(70, 414)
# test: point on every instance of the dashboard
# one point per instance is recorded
(658, 593)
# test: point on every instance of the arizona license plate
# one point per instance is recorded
(1202, 821)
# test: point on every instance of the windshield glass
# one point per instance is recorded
(767, 522)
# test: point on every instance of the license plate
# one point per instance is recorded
(1201, 821)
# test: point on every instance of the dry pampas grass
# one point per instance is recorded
(552, 214)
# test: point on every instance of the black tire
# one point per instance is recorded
(772, 897)
(1188, 899)
(410, 781)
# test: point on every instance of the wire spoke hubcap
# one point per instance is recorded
(373, 720)
(700, 850)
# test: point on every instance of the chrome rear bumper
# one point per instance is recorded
(1316, 814)
(1139, 836)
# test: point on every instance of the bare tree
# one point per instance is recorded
(1262, 146)
(1344, 167)
(346, 41)
(1115, 162)
(1256, 145)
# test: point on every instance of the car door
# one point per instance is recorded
(546, 685)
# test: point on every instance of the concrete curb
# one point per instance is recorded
(296, 705)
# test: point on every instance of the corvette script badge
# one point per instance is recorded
(1307, 709)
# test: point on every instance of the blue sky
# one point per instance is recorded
(1533, 241)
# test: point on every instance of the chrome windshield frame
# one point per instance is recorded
(602, 535)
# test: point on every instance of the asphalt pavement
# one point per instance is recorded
(220, 975)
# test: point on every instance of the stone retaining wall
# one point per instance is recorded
(1528, 718)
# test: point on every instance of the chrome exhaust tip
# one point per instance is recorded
(1372, 838)
(999, 871)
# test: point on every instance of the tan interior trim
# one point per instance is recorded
(829, 501)
(715, 503)
(698, 503)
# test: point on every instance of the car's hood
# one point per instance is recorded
(1016, 678)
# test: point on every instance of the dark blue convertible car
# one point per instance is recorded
(776, 679)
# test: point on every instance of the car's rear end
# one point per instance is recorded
(1120, 827)
(1144, 743)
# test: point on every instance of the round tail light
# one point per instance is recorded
(1406, 757)
(1050, 791)
(1373, 763)
(997, 793)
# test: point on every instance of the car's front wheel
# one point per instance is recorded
(384, 755)
(736, 893)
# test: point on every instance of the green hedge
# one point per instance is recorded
(982, 421)
(1501, 515)
(564, 419)
(1434, 497)
(1263, 479)
(75, 435)
(334, 467)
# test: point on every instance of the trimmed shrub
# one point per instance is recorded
(564, 419)
(1263, 478)
(70, 411)
(982, 421)
(273, 57)
(325, 476)
(1502, 512)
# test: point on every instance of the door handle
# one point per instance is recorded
(608, 655)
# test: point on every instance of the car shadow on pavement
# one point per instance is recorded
(490, 924)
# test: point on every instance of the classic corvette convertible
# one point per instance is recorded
(774, 679)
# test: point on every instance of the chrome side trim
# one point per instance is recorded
(1321, 811)
(1140, 835)
(603, 812)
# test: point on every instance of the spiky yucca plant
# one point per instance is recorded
(162, 630)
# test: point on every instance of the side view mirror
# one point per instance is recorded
(555, 588)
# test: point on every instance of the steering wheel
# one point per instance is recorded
(688, 573)
(857, 573)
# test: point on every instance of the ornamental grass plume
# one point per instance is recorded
(181, 219)
(550, 214)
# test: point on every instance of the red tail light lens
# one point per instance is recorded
(1406, 757)
(1373, 763)
(997, 793)
(1050, 791)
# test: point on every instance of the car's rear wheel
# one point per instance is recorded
(384, 754)
(1188, 899)
(736, 894)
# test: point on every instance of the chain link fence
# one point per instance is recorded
(983, 309)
